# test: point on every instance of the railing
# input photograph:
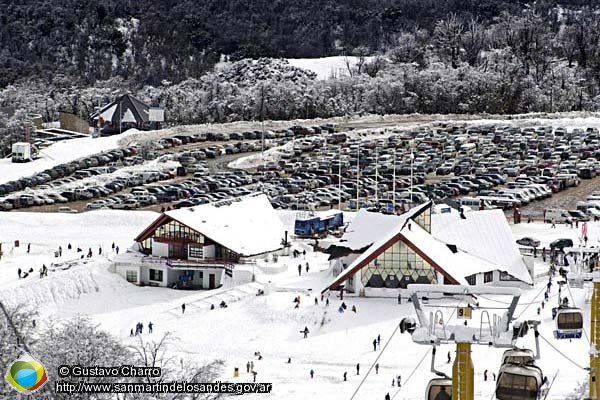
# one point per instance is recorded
(183, 263)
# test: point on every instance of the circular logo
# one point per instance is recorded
(26, 374)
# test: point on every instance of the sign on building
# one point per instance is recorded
(156, 114)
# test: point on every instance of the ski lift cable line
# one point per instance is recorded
(574, 304)
(412, 373)
(376, 360)
(528, 304)
(504, 302)
(563, 354)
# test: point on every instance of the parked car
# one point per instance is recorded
(561, 244)
(529, 242)
(67, 210)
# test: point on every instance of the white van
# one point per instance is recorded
(476, 203)
(556, 215)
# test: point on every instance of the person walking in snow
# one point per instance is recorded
(357, 369)
(254, 373)
(399, 298)
(117, 249)
(150, 325)
(399, 380)
(304, 253)
(553, 223)
(485, 375)
(307, 268)
(131, 333)
(19, 271)
(387, 396)
(312, 373)
(99, 251)
(306, 332)
(345, 376)
(183, 308)
(69, 247)
(252, 366)
(326, 302)
(248, 367)
(376, 368)
(28, 248)
(316, 301)
(378, 340)
(354, 308)
(60, 251)
(449, 358)
(113, 246)
(299, 269)
(374, 344)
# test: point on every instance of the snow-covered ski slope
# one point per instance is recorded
(269, 324)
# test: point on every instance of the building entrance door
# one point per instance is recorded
(211, 281)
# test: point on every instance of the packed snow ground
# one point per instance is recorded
(269, 324)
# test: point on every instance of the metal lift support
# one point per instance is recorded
(463, 387)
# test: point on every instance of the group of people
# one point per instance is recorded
(300, 269)
(139, 328)
(250, 365)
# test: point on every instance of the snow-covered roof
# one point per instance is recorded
(458, 265)
(248, 225)
(484, 234)
(368, 226)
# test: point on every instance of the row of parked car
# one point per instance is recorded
(50, 184)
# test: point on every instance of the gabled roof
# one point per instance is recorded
(368, 226)
(247, 225)
(484, 234)
(454, 264)
(126, 108)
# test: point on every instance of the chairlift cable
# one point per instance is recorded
(376, 360)
(562, 354)
(534, 301)
(412, 373)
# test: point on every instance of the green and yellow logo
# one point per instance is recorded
(26, 374)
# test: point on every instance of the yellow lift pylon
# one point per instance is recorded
(463, 384)
(595, 339)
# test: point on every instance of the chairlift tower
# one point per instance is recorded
(434, 331)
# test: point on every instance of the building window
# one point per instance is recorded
(196, 252)
(488, 277)
(505, 276)
(156, 275)
(470, 280)
(131, 276)
(397, 266)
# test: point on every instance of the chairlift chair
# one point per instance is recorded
(439, 389)
(569, 323)
(519, 382)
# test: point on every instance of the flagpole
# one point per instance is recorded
(411, 176)
(357, 175)
(394, 184)
(340, 180)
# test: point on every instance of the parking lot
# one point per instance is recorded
(318, 167)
